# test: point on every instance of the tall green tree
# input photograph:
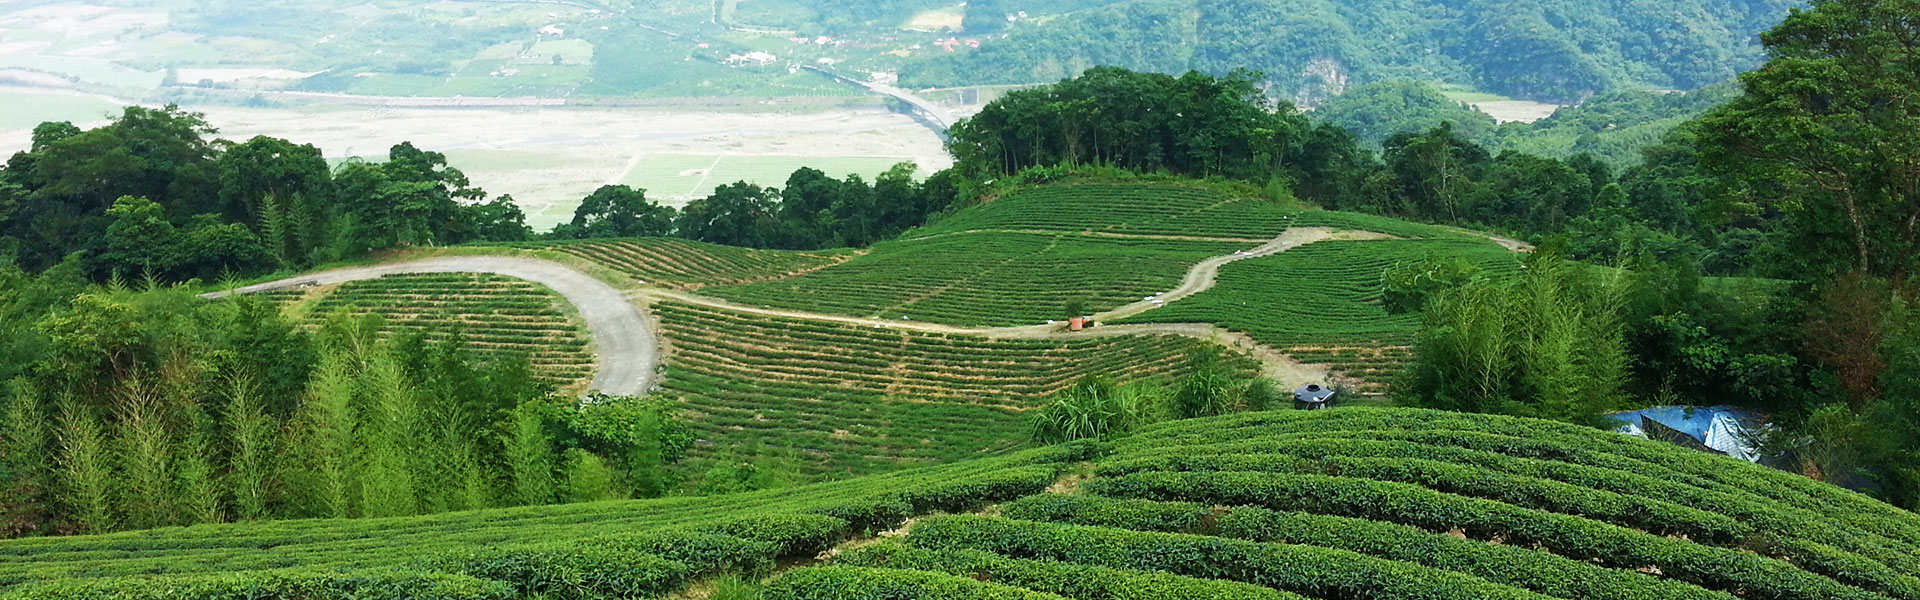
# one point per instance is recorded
(279, 189)
(1549, 344)
(617, 211)
(25, 461)
(86, 476)
(1829, 132)
(530, 455)
(737, 214)
(252, 439)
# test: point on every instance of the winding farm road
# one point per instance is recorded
(1201, 277)
(628, 351)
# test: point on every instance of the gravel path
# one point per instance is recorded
(627, 349)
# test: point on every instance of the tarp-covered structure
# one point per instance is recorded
(1723, 429)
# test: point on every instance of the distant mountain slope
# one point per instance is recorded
(1548, 50)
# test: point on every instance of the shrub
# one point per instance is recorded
(1092, 408)
(853, 583)
(1306, 570)
(278, 585)
(1063, 578)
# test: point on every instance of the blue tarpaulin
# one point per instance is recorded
(1725, 429)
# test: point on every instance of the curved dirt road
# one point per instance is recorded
(1201, 277)
(629, 352)
(627, 349)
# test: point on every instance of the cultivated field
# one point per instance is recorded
(988, 278)
(1123, 208)
(845, 399)
(687, 264)
(494, 315)
(1320, 303)
(1351, 503)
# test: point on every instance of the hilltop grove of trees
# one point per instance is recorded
(814, 211)
(150, 195)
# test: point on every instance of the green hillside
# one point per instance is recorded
(489, 314)
(1021, 258)
(843, 399)
(1351, 503)
(988, 278)
(1320, 303)
(1134, 208)
(1549, 51)
(689, 264)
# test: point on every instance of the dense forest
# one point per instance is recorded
(1549, 51)
(1798, 193)
(150, 196)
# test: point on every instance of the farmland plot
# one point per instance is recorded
(494, 315)
(1348, 503)
(1126, 208)
(861, 399)
(689, 264)
(988, 278)
(1320, 302)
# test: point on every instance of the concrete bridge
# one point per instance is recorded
(940, 119)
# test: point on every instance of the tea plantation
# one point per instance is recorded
(1321, 302)
(988, 278)
(1347, 503)
(688, 264)
(851, 399)
(492, 314)
(1164, 209)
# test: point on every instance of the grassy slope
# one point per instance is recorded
(1361, 503)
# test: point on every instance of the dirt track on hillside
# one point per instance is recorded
(628, 352)
(626, 349)
(1201, 277)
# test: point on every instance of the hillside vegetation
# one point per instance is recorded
(1558, 52)
(1022, 258)
(690, 264)
(1322, 302)
(491, 315)
(988, 278)
(1353, 503)
(837, 399)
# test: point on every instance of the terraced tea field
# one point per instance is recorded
(688, 264)
(861, 400)
(987, 278)
(495, 314)
(1123, 208)
(1320, 302)
(1379, 504)
(1352, 503)
(613, 549)
(1378, 224)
